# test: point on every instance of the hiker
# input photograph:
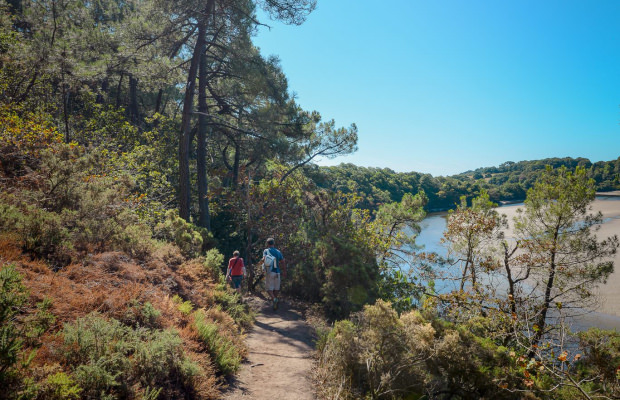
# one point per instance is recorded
(273, 262)
(235, 271)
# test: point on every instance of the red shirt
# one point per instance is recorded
(235, 267)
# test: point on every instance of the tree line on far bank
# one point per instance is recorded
(507, 182)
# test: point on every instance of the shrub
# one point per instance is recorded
(185, 307)
(136, 241)
(144, 315)
(17, 331)
(601, 358)
(381, 355)
(13, 295)
(225, 354)
(113, 359)
(60, 386)
(44, 234)
(37, 324)
(182, 233)
(29, 133)
(213, 264)
(72, 203)
(230, 301)
(337, 361)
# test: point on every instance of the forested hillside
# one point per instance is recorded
(139, 142)
(508, 182)
(142, 141)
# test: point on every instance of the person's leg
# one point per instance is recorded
(276, 290)
(237, 283)
(269, 285)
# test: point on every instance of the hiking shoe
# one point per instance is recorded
(275, 304)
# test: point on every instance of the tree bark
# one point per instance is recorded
(118, 90)
(185, 134)
(133, 99)
(542, 320)
(160, 94)
(201, 143)
(104, 90)
(235, 175)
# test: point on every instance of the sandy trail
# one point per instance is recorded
(280, 361)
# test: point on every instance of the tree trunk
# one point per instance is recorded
(235, 174)
(160, 94)
(118, 90)
(201, 143)
(133, 100)
(104, 91)
(248, 248)
(542, 319)
(185, 134)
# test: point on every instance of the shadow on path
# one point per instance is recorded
(279, 363)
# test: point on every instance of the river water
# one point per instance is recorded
(608, 315)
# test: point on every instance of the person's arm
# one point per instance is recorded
(243, 267)
(228, 270)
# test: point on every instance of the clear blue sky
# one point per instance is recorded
(445, 86)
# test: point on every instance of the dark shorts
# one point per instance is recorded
(236, 281)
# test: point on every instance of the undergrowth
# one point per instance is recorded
(225, 353)
(100, 296)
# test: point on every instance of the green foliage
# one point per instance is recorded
(380, 355)
(213, 262)
(601, 358)
(182, 233)
(110, 358)
(60, 386)
(136, 241)
(560, 250)
(186, 307)
(230, 302)
(17, 331)
(39, 323)
(74, 205)
(225, 354)
(141, 315)
(509, 181)
(13, 295)
(340, 268)
(396, 228)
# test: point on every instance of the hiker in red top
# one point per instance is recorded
(235, 271)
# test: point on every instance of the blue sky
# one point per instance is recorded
(445, 86)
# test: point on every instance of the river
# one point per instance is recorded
(607, 316)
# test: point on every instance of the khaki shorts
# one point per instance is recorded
(272, 281)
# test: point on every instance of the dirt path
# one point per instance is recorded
(279, 362)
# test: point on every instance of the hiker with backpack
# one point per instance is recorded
(235, 271)
(274, 264)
